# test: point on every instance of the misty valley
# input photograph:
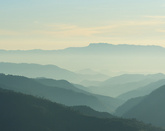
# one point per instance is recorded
(82, 65)
(100, 87)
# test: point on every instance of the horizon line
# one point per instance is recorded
(38, 49)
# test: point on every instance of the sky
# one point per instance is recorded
(58, 24)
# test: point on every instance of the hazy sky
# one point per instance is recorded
(54, 24)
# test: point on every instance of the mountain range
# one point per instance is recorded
(24, 112)
(106, 58)
(142, 91)
(49, 71)
(149, 108)
(118, 85)
(58, 91)
(83, 88)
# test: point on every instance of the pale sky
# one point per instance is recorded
(57, 24)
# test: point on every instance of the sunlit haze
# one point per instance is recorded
(58, 24)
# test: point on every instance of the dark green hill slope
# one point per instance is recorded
(109, 103)
(57, 94)
(58, 83)
(151, 109)
(26, 113)
(128, 105)
(85, 110)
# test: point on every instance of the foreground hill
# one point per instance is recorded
(26, 113)
(151, 109)
(85, 110)
(61, 92)
(128, 105)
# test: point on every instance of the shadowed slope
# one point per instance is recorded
(26, 113)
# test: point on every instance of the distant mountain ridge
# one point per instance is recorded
(142, 91)
(94, 46)
(118, 85)
(50, 71)
(123, 57)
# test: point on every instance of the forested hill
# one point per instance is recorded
(26, 113)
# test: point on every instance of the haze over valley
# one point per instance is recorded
(103, 58)
(82, 65)
(90, 92)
